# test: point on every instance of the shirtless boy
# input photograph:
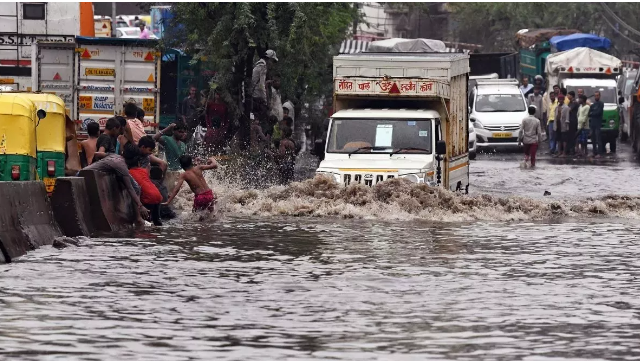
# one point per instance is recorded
(204, 199)
(89, 146)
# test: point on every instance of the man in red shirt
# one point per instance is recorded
(217, 122)
(149, 194)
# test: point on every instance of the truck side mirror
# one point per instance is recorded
(441, 147)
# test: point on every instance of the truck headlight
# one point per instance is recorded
(477, 125)
(471, 129)
(336, 177)
(414, 178)
(612, 123)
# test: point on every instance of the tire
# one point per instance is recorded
(472, 155)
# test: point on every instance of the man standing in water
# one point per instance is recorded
(596, 111)
(530, 135)
(204, 198)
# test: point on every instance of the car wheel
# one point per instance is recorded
(472, 155)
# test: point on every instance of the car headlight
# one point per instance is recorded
(471, 129)
(477, 125)
(414, 178)
(612, 123)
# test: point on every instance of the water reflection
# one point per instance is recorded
(251, 289)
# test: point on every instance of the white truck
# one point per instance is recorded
(96, 76)
(591, 71)
(24, 23)
(399, 115)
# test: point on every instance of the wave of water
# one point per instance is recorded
(397, 199)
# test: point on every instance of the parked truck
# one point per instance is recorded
(96, 76)
(591, 71)
(399, 115)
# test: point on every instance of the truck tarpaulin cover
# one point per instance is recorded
(528, 38)
(568, 42)
(581, 58)
(397, 45)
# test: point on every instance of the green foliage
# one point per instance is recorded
(305, 37)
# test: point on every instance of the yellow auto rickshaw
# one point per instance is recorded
(51, 137)
(18, 120)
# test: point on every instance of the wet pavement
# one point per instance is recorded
(312, 272)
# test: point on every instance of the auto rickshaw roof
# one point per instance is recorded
(58, 108)
(12, 104)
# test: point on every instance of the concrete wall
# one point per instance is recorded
(26, 219)
(71, 207)
(111, 206)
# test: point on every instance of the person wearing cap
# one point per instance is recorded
(530, 135)
(538, 81)
(259, 83)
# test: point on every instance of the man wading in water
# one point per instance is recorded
(530, 135)
(204, 198)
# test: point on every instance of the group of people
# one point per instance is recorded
(126, 151)
(273, 122)
(568, 120)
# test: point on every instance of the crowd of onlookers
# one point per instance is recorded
(566, 119)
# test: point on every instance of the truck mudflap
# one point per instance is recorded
(456, 174)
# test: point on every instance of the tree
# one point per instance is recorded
(305, 36)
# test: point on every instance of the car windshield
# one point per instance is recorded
(380, 136)
(608, 94)
(499, 103)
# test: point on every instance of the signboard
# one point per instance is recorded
(99, 72)
(148, 104)
(28, 39)
(85, 102)
(409, 87)
(7, 81)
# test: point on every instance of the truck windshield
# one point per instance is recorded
(380, 136)
(608, 94)
(488, 103)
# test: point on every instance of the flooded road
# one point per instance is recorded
(358, 274)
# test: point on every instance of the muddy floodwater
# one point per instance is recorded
(313, 272)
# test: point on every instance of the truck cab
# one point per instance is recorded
(369, 146)
(399, 115)
(608, 89)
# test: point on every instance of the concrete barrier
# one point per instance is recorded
(111, 206)
(26, 220)
(70, 204)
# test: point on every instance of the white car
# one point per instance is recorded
(131, 33)
(472, 142)
(496, 112)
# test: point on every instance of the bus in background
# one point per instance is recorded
(27, 23)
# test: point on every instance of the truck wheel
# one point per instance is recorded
(472, 156)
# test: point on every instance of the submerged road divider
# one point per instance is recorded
(71, 207)
(26, 219)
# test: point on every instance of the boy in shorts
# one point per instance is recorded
(204, 198)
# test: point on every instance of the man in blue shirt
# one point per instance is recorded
(595, 124)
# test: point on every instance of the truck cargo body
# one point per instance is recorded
(24, 23)
(96, 77)
(397, 106)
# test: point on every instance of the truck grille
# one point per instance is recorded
(502, 128)
(369, 179)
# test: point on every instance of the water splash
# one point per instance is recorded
(396, 199)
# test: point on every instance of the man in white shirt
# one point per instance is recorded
(525, 87)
